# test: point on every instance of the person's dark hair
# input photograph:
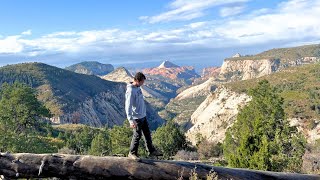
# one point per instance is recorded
(139, 77)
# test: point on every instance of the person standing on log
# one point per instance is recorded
(136, 114)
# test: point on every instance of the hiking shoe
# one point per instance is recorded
(156, 153)
(133, 156)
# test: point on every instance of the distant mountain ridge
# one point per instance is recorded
(71, 97)
(91, 68)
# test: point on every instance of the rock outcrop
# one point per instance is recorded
(247, 67)
(200, 90)
(181, 107)
(236, 70)
(215, 114)
(219, 111)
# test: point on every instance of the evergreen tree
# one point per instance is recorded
(261, 138)
(169, 139)
(20, 110)
(101, 144)
(21, 119)
(121, 139)
(81, 139)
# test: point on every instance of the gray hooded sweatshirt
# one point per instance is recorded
(135, 106)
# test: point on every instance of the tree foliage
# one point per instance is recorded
(169, 139)
(261, 138)
(80, 139)
(101, 144)
(21, 120)
(20, 110)
(121, 138)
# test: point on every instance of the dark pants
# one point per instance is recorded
(142, 127)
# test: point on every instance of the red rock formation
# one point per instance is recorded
(172, 71)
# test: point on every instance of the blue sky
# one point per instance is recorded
(187, 32)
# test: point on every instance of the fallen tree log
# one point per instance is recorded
(24, 165)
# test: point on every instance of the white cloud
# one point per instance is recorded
(60, 34)
(293, 22)
(28, 32)
(143, 17)
(10, 44)
(231, 11)
(197, 24)
(260, 12)
(180, 10)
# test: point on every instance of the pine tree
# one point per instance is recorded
(121, 138)
(101, 144)
(21, 119)
(261, 138)
(169, 139)
(80, 140)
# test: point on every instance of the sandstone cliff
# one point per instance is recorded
(243, 68)
(235, 70)
(219, 110)
(181, 107)
(215, 114)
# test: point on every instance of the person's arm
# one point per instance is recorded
(128, 106)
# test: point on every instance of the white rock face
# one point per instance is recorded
(216, 114)
(199, 90)
(247, 69)
(104, 109)
(235, 70)
(219, 111)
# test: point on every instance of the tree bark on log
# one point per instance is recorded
(25, 165)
